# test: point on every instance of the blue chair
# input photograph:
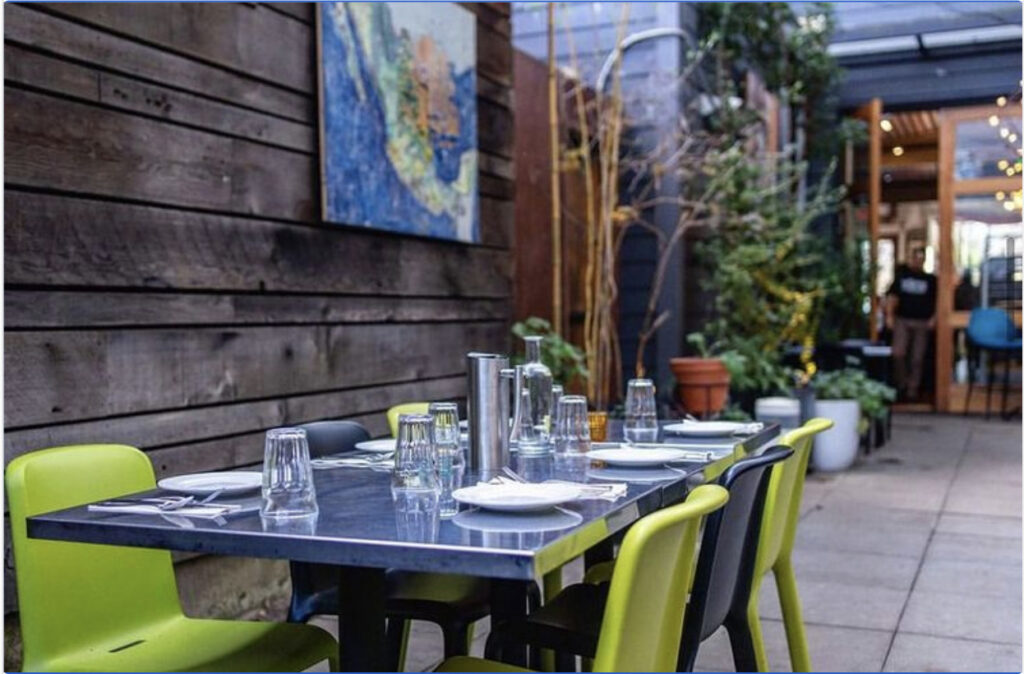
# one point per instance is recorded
(991, 330)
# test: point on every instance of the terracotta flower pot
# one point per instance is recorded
(702, 384)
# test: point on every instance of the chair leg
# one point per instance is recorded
(745, 636)
(742, 643)
(334, 663)
(789, 599)
(398, 641)
(456, 639)
(1006, 385)
(988, 382)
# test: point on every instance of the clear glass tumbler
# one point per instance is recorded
(288, 489)
(451, 462)
(641, 424)
(572, 431)
(414, 482)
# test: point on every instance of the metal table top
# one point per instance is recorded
(359, 524)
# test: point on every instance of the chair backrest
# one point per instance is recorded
(785, 490)
(404, 408)
(990, 327)
(647, 597)
(729, 545)
(333, 437)
(72, 595)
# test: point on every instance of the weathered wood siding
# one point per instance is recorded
(169, 283)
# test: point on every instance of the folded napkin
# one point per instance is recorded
(749, 429)
(200, 510)
(589, 491)
(739, 427)
(376, 461)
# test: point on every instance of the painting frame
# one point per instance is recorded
(466, 227)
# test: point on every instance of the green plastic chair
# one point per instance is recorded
(404, 408)
(775, 552)
(103, 608)
(643, 616)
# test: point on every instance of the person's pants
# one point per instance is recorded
(909, 346)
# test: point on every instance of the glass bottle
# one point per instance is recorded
(537, 383)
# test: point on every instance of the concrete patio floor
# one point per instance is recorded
(909, 561)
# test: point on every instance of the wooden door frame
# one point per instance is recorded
(871, 112)
(949, 189)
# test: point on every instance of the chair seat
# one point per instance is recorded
(411, 593)
(600, 573)
(998, 344)
(190, 645)
(569, 623)
(465, 663)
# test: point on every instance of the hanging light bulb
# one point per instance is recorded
(1012, 138)
(1018, 166)
(1008, 205)
(1002, 164)
(1001, 195)
(1010, 171)
(1004, 132)
(1001, 101)
(897, 151)
(886, 125)
(993, 121)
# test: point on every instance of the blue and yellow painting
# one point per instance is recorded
(398, 122)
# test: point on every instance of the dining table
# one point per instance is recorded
(363, 532)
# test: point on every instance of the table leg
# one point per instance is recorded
(509, 602)
(362, 595)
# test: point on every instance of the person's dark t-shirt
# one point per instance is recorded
(915, 291)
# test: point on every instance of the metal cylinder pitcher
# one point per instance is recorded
(488, 405)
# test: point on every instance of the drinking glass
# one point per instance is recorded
(415, 470)
(451, 463)
(557, 391)
(288, 489)
(572, 431)
(641, 423)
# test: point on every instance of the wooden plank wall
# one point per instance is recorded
(168, 281)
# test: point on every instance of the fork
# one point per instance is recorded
(160, 502)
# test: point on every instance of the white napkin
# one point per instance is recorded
(749, 429)
(589, 491)
(353, 462)
(204, 511)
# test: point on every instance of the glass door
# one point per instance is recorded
(980, 246)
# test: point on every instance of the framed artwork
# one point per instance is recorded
(398, 136)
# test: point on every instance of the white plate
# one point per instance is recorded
(550, 520)
(705, 429)
(637, 457)
(380, 445)
(516, 497)
(228, 482)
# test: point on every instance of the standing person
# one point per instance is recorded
(910, 312)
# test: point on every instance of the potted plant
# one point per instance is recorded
(850, 399)
(702, 381)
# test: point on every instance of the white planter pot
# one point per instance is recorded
(836, 448)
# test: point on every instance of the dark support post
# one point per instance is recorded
(509, 602)
(361, 621)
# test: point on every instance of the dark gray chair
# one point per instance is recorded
(452, 602)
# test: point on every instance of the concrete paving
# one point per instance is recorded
(910, 561)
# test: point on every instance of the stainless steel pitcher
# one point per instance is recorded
(488, 403)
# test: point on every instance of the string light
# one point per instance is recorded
(1012, 138)
(897, 151)
(993, 120)
(1004, 132)
(1008, 205)
(886, 125)
(1001, 195)
(1003, 164)
(1001, 101)
(1010, 172)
